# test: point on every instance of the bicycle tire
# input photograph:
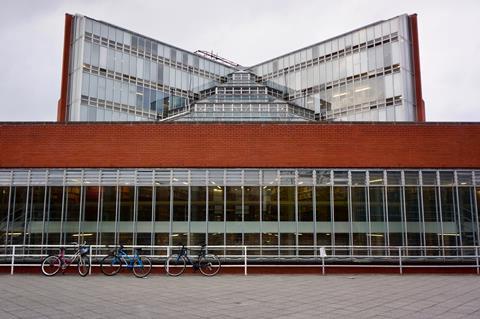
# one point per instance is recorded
(51, 261)
(175, 265)
(209, 265)
(83, 265)
(146, 267)
(110, 265)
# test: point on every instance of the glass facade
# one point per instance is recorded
(118, 75)
(266, 208)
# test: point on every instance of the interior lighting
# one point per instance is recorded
(362, 89)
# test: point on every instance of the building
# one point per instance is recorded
(369, 74)
(238, 156)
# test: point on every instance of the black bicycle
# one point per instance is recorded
(208, 264)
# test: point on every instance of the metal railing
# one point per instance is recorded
(246, 256)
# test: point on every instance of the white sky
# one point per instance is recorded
(247, 32)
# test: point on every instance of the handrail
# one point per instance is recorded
(320, 254)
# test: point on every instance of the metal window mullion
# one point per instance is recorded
(117, 209)
(81, 214)
(314, 203)
(476, 213)
(385, 209)
(421, 216)
(404, 211)
(278, 213)
(99, 208)
(349, 208)
(63, 210)
(369, 219)
(10, 190)
(135, 214)
(154, 209)
(170, 226)
(27, 210)
(206, 207)
(332, 212)
(296, 212)
(45, 191)
(457, 206)
(243, 206)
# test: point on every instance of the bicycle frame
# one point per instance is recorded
(65, 262)
(122, 256)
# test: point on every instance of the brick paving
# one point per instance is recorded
(235, 296)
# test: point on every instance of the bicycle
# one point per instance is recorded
(208, 264)
(118, 259)
(52, 264)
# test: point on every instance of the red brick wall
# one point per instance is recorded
(427, 145)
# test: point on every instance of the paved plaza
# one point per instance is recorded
(235, 296)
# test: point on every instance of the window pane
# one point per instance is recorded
(252, 203)
(144, 203)
(180, 203)
(198, 206)
(269, 203)
(287, 203)
(162, 205)
(234, 203)
(305, 203)
(323, 203)
(215, 203)
(109, 199)
(340, 207)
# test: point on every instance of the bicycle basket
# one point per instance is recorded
(84, 250)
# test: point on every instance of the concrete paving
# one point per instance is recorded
(235, 296)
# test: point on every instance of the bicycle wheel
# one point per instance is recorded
(51, 265)
(175, 265)
(209, 265)
(142, 266)
(83, 265)
(110, 265)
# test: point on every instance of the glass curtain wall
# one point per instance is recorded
(265, 209)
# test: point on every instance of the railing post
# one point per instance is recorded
(12, 266)
(400, 260)
(476, 257)
(168, 255)
(245, 259)
(323, 265)
(90, 261)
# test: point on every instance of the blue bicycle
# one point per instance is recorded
(118, 259)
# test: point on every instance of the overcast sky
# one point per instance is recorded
(247, 32)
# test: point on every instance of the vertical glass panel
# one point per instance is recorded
(4, 198)
(73, 204)
(448, 204)
(430, 204)
(412, 206)
(269, 203)
(340, 206)
(91, 203)
(145, 195)
(162, 203)
(215, 204)
(252, 203)
(55, 203)
(180, 203)
(467, 218)
(234, 203)
(359, 210)
(37, 199)
(323, 203)
(305, 203)
(197, 239)
(127, 195)
(288, 239)
(376, 204)
(287, 203)
(199, 200)
(109, 203)
(252, 239)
